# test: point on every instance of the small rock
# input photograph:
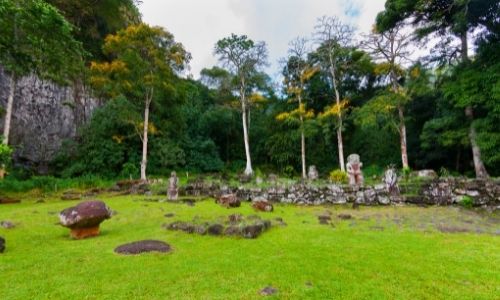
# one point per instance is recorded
(229, 200)
(143, 246)
(344, 216)
(7, 224)
(6, 200)
(169, 215)
(252, 231)
(233, 231)
(262, 206)
(324, 219)
(2, 244)
(215, 229)
(268, 291)
(236, 218)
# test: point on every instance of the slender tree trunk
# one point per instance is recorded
(476, 151)
(144, 161)
(8, 110)
(248, 169)
(340, 140)
(469, 113)
(302, 143)
(402, 138)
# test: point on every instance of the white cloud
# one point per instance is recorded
(198, 24)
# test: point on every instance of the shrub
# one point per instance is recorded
(466, 202)
(338, 176)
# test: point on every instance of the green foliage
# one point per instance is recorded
(466, 201)
(5, 154)
(52, 184)
(338, 176)
(35, 38)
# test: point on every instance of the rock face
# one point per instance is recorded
(2, 244)
(143, 247)
(44, 114)
(84, 218)
(229, 200)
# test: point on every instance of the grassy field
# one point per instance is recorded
(382, 253)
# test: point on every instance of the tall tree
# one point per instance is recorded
(451, 20)
(243, 57)
(333, 38)
(35, 38)
(297, 72)
(391, 48)
(144, 66)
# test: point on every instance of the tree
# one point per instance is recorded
(449, 19)
(334, 37)
(144, 65)
(297, 72)
(35, 38)
(243, 57)
(391, 47)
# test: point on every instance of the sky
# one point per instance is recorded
(199, 24)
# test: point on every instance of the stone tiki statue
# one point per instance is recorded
(173, 189)
(354, 170)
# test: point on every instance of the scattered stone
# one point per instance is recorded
(84, 218)
(215, 229)
(344, 216)
(143, 247)
(229, 200)
(7, 200)
(324, 219)
(426, 173)
(181, 226)
(262, 206)
(312, 173)
(268, 291)
(7, 224)
(173, 189)
(451, 229)
(354, 165)
(169, 215)
(236, 218)
(252, 231)
(2, 244)
(189, 202)
(233, 231)
(71, 195)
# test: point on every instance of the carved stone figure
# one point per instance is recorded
(173, 189)
(312, 173)
(354, 170)
(391, 181)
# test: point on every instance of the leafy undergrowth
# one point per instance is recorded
(380, 253)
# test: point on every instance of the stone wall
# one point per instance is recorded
(44, 114)
(447, 191)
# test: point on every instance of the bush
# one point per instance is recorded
(338, 176)
(466, 202)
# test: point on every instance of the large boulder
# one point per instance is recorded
(229, 200)
(142, 247)
(2, 244)
(84, 218)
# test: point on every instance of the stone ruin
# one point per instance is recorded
(354, 165)
(235, 225)
(143, 247)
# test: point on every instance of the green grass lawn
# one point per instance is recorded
(382, 253)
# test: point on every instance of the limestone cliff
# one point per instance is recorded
(44, 114)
